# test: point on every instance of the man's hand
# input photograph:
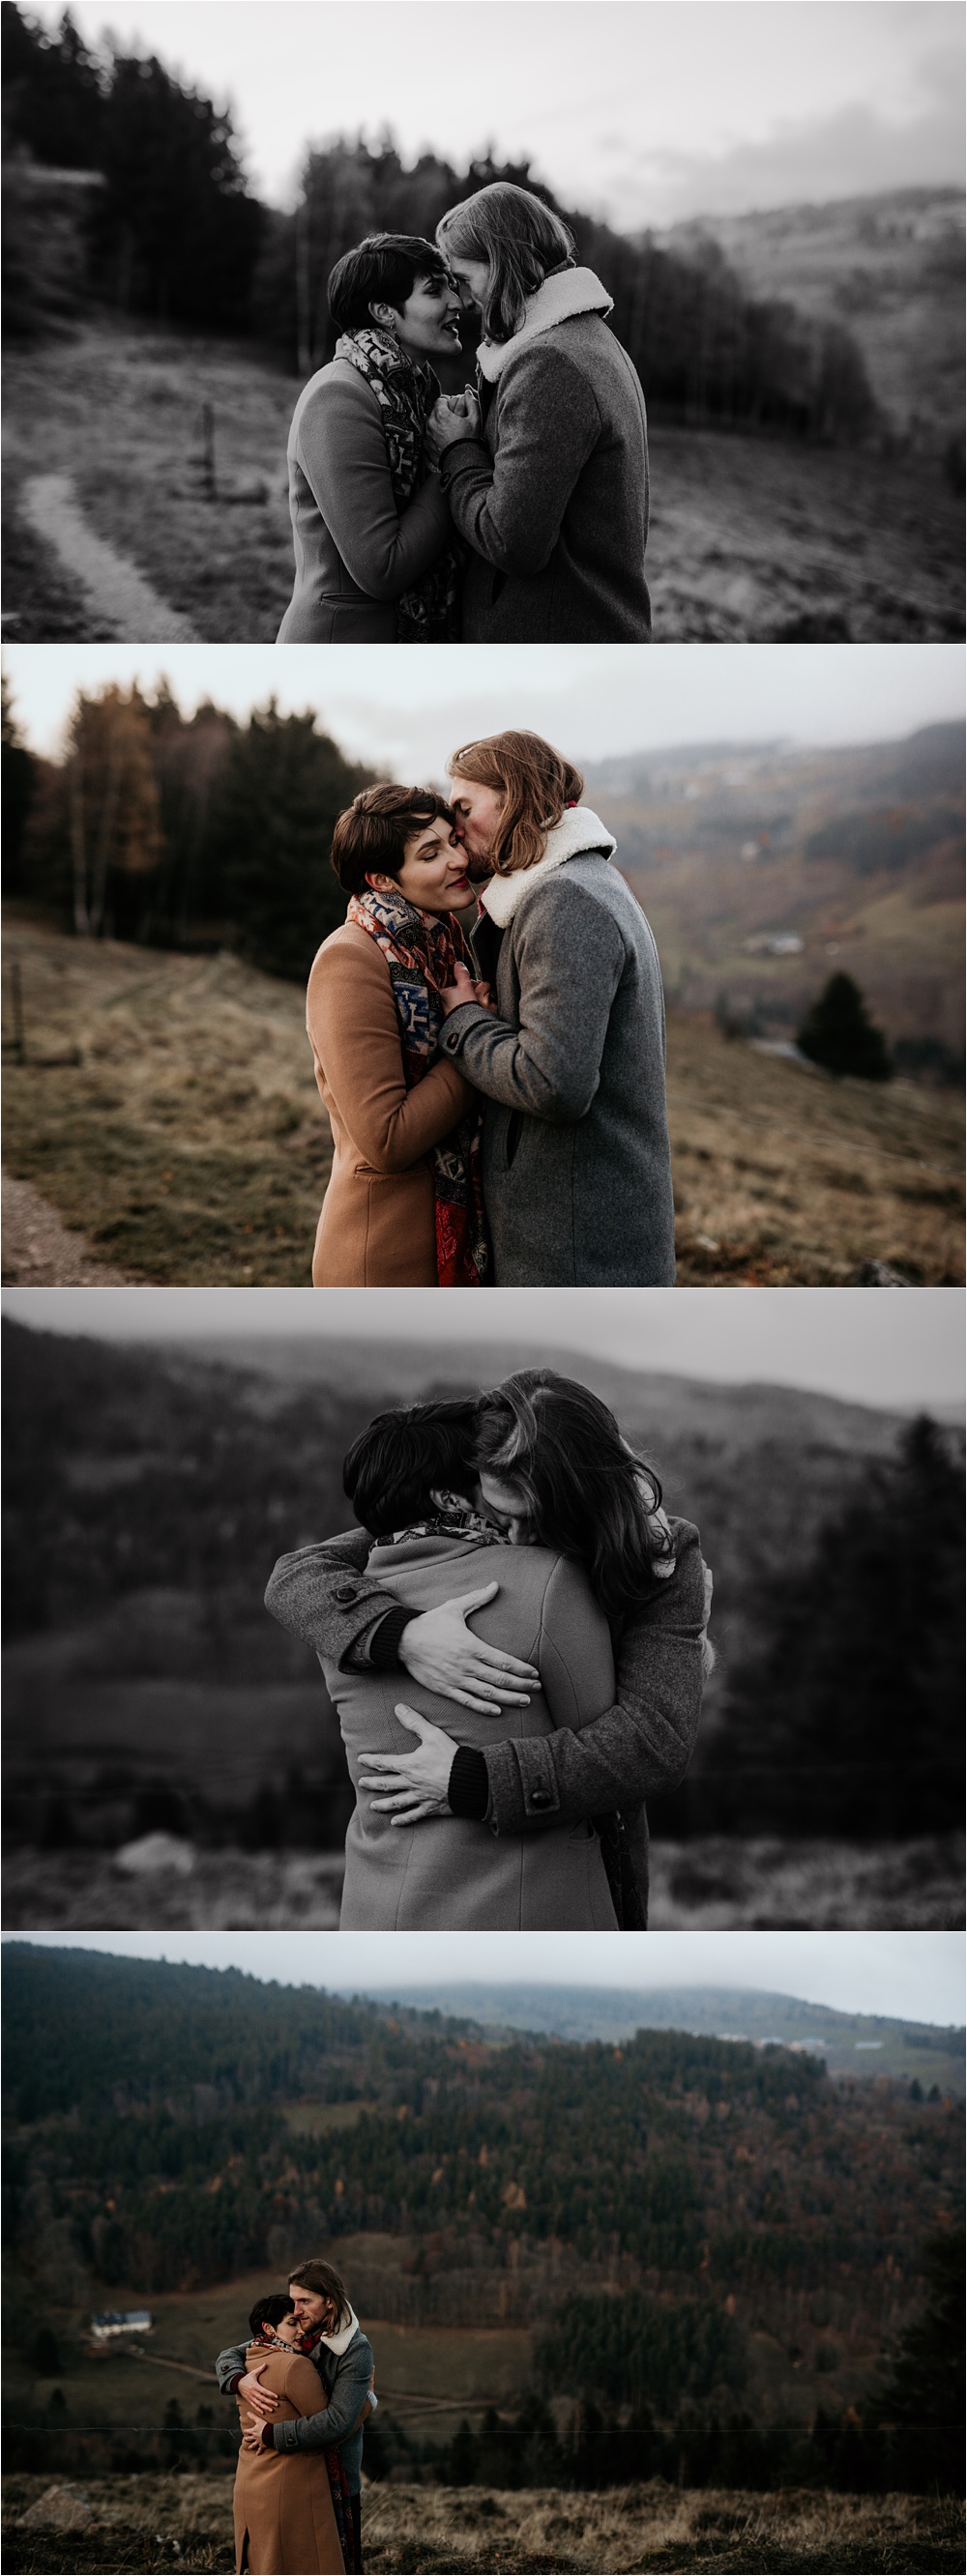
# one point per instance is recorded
(464, 990)
(263, 2401)
(440, 1652)
(414, 1784)
(454, 416)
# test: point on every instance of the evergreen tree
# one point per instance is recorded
(273, 817)
(18, 772)
(926, 2397)
(839, 1034)
(850, 1719)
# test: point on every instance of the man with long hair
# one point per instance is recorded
(575, 1153)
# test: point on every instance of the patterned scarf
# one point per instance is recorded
(406, 393)
(455, 1524)
(422, 949)
(342, 2508)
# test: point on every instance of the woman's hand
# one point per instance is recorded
(263, 2401)
(252, 2438)
(415, 1783)
(440, 1652)
(454, 416)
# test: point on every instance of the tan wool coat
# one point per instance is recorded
(448, 1873)
(378, 1224)
(284, 2521)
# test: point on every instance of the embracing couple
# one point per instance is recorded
(304, 2386)
(516, 512)
(501, 1770)
(496, 1093)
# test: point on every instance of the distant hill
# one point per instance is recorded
(853, 857)
(890, 268)
(855, 2044)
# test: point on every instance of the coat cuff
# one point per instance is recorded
(458, 1025)
(468, 1788)
(384, 1643)
(523, 1785)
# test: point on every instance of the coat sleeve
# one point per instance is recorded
(229, 2367)
(324, 1595)
(342, 450)
(643, 1742)
(509, 508)
(316, 2431)
(352, 1023)
(570, 957)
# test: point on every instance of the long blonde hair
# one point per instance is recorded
(521, 241)
(535, 782)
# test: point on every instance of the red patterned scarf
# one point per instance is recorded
(422, 949)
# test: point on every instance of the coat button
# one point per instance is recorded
(344, 1592)
(540, 1798)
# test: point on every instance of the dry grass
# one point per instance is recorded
(751, 539)
(168, 1109)
(134, 2523)
(714, 1882)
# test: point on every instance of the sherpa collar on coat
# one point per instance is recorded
(339, 2343)
(578, 830)
(573, 290)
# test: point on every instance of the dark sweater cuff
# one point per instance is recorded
(384, 1644)
(468, 1788)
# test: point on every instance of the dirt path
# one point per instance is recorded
(38, 1250)
(126, 606)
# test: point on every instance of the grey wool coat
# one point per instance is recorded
(553, 498)
(576, 1158)
(345, 2376)
(355, 553)
(333, 1596)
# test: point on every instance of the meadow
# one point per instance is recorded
(154, 2522)
(712, 1882)
(165, 1106)
(752, 539)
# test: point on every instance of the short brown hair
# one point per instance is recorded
(325, 2283)
(535, 782)
(522, 240)
(371, 834)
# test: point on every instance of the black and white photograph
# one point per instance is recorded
(531, 321)
(603, 1577)
(595, 968)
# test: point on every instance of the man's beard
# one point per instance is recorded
(480, 871)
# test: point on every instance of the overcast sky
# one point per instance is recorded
(642, 113)
(897, 1348)
(407, 711)
(915, 1974)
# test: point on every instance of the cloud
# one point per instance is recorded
(850, 154)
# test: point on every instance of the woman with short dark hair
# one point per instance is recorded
(404, 1207)
(374, 555)
(285, 2503)
(546, 470)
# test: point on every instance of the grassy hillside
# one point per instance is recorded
(891, 267)
(751, 539)
(167, 1108)
(143, 2522)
